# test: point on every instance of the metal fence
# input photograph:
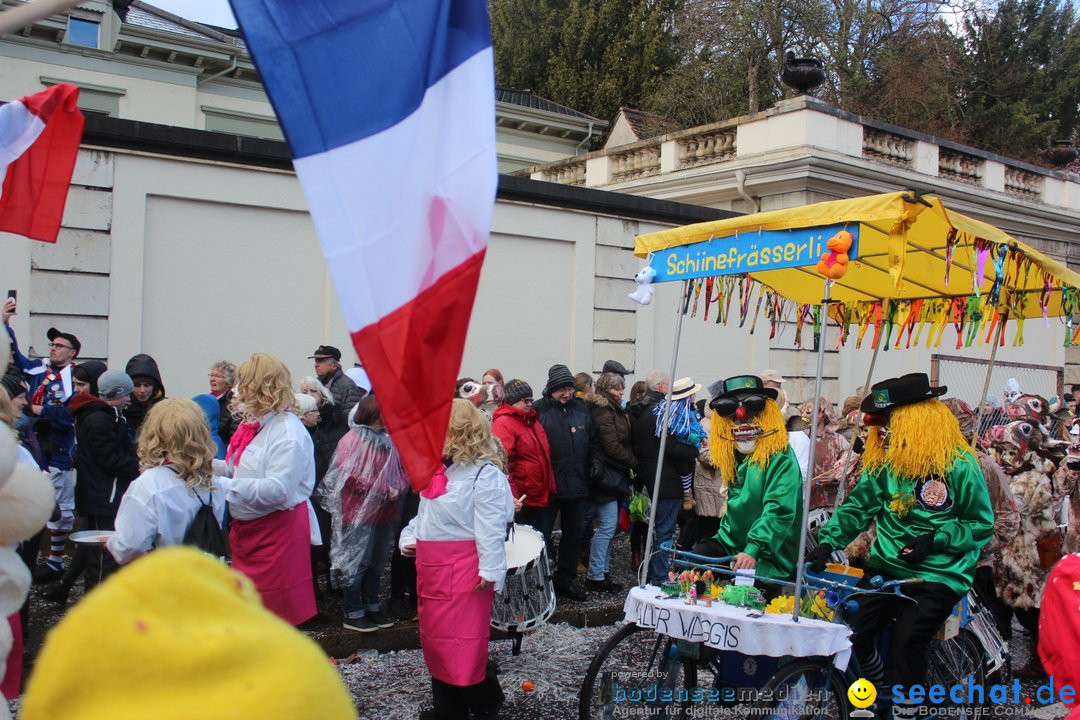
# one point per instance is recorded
(965, 377)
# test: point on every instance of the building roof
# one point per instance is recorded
(145, 15)
(524, 98)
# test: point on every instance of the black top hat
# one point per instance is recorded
(742, 385)
(53, 333)
(326, 351)
(904, 390)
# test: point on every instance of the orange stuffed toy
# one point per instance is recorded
(834, 263)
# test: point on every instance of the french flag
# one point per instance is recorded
(39, 142)
(388, 107)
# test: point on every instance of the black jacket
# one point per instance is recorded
(105, 462)
(334, 420)
(144, 365)
(227, 422)
(678, 457)
(575, 449)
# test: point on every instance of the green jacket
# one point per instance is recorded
(958, 512)
(762, 508)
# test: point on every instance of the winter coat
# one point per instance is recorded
(613, 434)
(678, 456)
(227, 422)
(528, 454)
(575, 450)
(105, 461)
(144, 365)
(334, 422)
(710, 490)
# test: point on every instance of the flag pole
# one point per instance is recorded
(986, 381)
(23, 15)
(643, 570)
(809, 474)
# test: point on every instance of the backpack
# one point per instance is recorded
(204, 532)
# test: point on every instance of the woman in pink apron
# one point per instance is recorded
(459, 537)
(270, 470)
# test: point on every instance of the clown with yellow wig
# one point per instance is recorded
(922, 484)
(749, 446)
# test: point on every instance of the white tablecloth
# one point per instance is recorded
(727, 627)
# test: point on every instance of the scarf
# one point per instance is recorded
(243, 436)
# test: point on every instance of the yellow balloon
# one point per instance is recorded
(862, 693)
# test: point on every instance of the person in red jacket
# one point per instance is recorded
(528, 454)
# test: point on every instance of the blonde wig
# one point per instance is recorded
(264, 385)
(924, 439)
(722, 447)
(469, 438)
(175, 433)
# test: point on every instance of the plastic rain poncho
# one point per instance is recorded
(364, 485)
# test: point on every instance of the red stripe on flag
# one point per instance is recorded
(36, 184)
(412, 357)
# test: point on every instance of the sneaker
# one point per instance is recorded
(379, 619)
(45, 575)
(360, 624)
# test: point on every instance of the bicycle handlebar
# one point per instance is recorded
(688, 560)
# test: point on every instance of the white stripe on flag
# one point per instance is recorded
(19, 128)
(369, 199)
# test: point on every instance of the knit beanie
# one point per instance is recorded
(516, 390)
(12, 383)
(559, 376)
(177, 635)
(114, 384)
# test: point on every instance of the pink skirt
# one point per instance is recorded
(274, 551)
(455, 620)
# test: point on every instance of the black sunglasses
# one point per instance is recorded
(726, 407)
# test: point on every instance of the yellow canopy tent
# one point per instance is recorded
(904, 243)
(909, 249)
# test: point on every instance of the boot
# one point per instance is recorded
(635, 562)
(583, 558)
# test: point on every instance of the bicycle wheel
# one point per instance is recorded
(956, 661)
(644, 674)
(804, 688)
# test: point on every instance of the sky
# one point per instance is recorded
(213, 12)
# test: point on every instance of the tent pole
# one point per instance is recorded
(841, 491)
(643, 571)
(986, 382)
(809, 475)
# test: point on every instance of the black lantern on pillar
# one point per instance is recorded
(1061, 152)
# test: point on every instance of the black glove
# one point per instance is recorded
(917, 550)
(820, 556)
(857, 446)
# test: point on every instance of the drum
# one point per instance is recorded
(528, 595)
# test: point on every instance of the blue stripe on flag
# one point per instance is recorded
(338, 71)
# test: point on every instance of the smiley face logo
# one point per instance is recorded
(862, 693)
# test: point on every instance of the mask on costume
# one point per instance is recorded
(743, 412)
(1013, 444)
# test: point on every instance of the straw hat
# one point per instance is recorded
(684, 388)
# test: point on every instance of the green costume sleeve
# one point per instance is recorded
(973, 525)
(780, 503)
(855, 513)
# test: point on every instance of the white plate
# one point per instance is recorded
(91, 537)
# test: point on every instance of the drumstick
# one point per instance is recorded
(522, 498)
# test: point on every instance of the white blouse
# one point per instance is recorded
(275, 472)
(156, 511)
(475, 506)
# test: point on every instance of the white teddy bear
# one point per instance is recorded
(644, 292)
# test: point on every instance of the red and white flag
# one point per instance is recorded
(39, 141)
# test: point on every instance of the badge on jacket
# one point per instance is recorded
(933, 494)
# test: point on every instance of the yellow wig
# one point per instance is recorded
(925, 439)
(722, 446)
